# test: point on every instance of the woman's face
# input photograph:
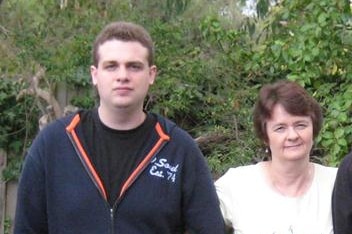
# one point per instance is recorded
(290, 137)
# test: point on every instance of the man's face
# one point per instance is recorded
(123, 75)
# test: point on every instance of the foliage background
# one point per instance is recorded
(213, 56)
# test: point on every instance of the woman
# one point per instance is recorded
(287, 193)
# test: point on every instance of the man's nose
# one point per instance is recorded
(121, 74)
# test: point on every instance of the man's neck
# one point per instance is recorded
(121, 119)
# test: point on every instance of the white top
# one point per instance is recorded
(250, 206)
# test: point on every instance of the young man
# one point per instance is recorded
(117, 168)
(342, 198)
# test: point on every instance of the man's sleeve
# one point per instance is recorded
(201, 204)
(30, 215)
(342, 198)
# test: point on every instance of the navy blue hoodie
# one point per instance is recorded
(342, 197)
(169, 192)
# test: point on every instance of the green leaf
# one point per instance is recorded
(339, 133)
(342, 142)
(328, 135)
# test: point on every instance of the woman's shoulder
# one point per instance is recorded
(243, 169)
(240, 174)
(325, 173)
(325, 169)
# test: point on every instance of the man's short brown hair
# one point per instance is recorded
(124, 31)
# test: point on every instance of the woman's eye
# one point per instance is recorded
(279, 129)
(301, 126)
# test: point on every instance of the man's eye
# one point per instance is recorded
(135, 67)
(110, 67)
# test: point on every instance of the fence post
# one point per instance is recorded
(8, 197)
(2, 191)
(10, 202)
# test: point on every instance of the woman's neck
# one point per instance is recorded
(290, 180)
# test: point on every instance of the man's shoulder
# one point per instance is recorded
(170, 127)
(165, 122)
(347, 160)
(345, 167)
(63, 122)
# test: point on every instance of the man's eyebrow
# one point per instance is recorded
(110, 62)
(135, 61)
(139, 63)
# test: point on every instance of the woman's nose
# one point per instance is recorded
(292, 134)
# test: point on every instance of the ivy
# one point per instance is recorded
(17, 123)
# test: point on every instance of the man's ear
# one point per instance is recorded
(93, 74)
(152, 74)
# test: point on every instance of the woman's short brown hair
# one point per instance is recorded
(293, 97)
(124, 31)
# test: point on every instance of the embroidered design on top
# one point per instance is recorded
(161, 168)
(289, 231)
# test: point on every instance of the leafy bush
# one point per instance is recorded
(211, 63)
(18, 124)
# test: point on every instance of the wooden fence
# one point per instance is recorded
(8, 190)
(8, 196)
